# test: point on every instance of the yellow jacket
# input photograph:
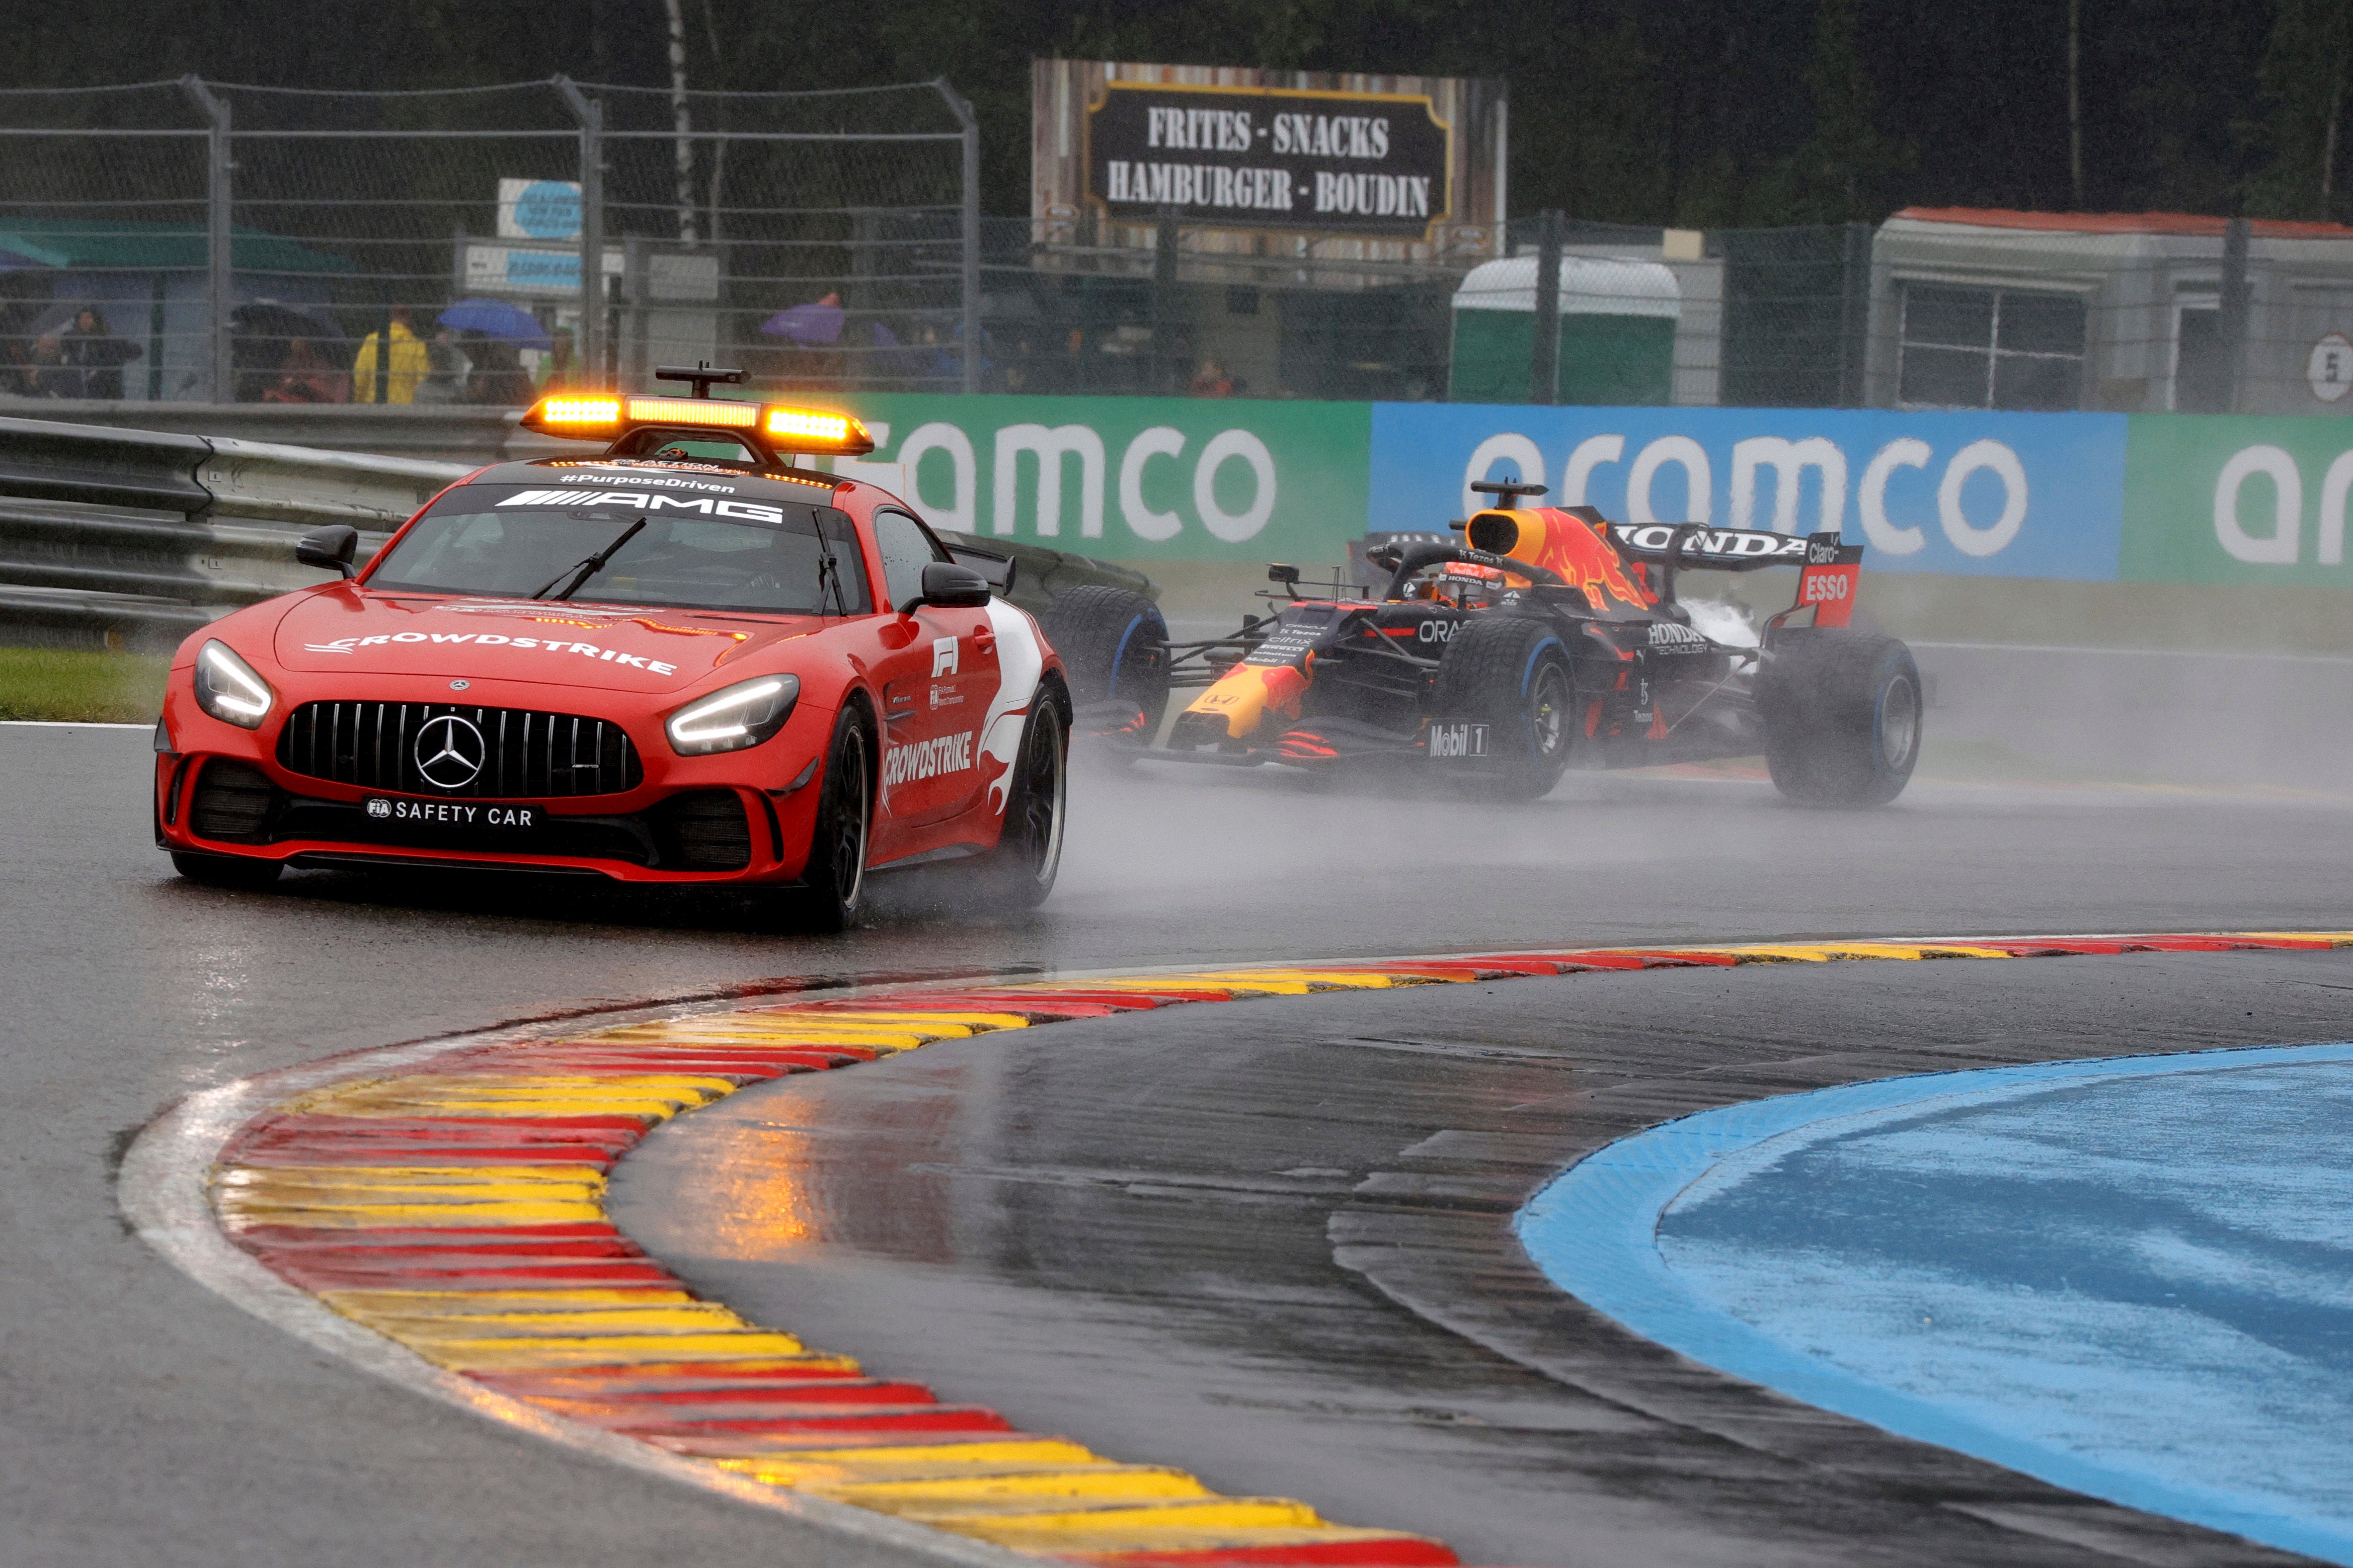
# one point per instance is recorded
(410, 364)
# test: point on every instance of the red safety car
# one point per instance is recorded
(684, 660)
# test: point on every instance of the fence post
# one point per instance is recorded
(2233, 323)
(971, 139)
(591, 115)
(220, 286)
(1543, 363)
(1855, 315)
(1169, 375)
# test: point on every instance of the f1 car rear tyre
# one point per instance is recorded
(1511, 674)
(226, 870)
(1115, 649)
(1842, 709)
(1028, 853)
(833, 890)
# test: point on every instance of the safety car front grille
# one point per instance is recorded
(523, 754)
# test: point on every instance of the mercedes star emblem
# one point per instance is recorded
(459, 685)
(449, 752)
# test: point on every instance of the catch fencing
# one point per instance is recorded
(246, 244)
(197, 242)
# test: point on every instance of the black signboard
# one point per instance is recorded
(1351, 162)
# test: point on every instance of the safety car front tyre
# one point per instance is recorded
(1841, 708)
(833, 884)
(1511, 674)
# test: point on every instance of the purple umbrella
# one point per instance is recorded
(819, 322)
(496, 319)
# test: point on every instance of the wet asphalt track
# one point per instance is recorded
(146, 1421)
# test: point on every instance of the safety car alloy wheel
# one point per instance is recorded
(835, 881)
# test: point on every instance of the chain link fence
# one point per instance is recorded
(196, 242)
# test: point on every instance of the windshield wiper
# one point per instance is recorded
(573, 577)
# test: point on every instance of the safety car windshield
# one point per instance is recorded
(705, 552)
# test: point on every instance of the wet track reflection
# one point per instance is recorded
(155, 1423)
(1268, 1243)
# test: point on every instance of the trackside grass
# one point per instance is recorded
(79, 686)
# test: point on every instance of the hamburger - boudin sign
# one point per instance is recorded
(1270, 157)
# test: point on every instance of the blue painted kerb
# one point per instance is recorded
(1594, 1232)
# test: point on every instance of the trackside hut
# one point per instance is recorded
(2121, 311)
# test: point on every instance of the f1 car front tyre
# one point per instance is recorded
(834, 884)
(1842, 709)
(1511, 674)
(226, 870)
(1115, 649)
(1028, 853)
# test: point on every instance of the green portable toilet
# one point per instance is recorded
(1617, 332)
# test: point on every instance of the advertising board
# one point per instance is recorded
(1369, 162)
(2009, 495)
(1410, 167)
(1128, 478)
(2093, 497)
(2222, 499)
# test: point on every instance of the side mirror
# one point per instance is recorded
(997, 569)
(330, 549)
(951, 586)
(1286, 575)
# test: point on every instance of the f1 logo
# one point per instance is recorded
(944, 657)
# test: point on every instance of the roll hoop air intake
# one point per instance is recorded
(1414, 557)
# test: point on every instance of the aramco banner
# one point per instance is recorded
(1167, 478)
(2089, 497)
(2007, 495)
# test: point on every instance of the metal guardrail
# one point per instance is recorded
(135, 538)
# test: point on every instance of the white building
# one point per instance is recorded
(1987, 309)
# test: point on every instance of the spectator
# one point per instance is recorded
(391, 377)
(499, 377)
(306, 376)
(1210, 381)
(556, 365)
(447, 384)
(93, 357)
(46, 369)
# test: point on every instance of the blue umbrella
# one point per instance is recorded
(818, 321)
(496, 319)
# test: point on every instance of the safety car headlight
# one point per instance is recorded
(745, 714)
(228, 689)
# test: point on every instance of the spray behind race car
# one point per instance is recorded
(1553, 638)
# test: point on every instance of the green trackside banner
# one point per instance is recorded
(2227, 498)
(1128, 479)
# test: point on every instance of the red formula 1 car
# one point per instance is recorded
(684, 660)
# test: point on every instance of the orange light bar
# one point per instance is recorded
(562, 415)
(817, 430)
(718, 413)
(595, 416)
